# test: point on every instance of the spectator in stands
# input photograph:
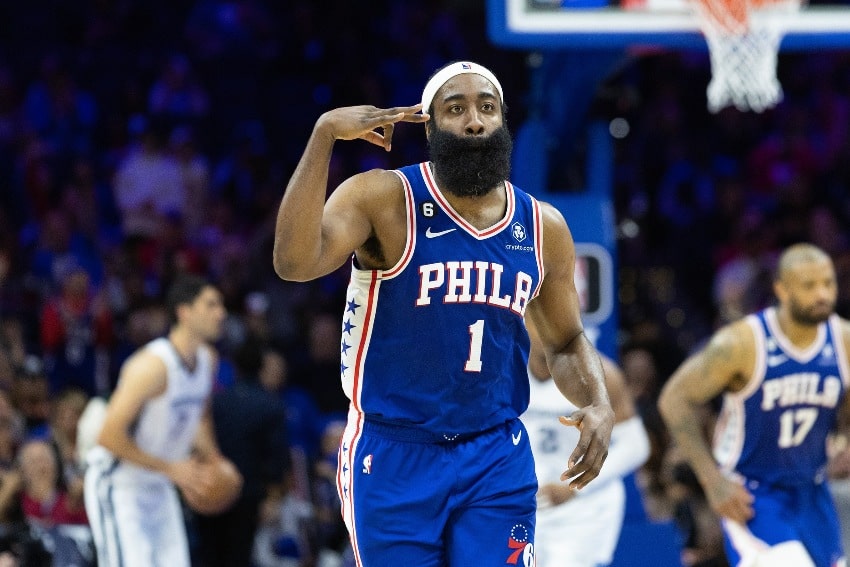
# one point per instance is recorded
(43, 500)
(67, 407)
(31, 397)
(250, 429)
(148, 185)
(76, 335)
(332, 537)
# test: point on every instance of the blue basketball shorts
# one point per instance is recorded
(429, 503)
(803, 513)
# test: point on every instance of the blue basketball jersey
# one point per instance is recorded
(437, 343)
(774, 431)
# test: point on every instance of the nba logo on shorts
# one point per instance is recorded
(367, 464)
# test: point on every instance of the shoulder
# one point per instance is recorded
(370, 190)
(555, 228)
(844, 329)
(732, 349)
(552, 217)
(558, 245)
(145, 373)
(734, 337)
(374, 180)
(144, 360)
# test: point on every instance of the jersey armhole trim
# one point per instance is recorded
(538, 244)
(760, 365)
(410, 240)
(840, 351)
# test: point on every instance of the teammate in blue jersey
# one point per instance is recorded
(447, 259)
(783, 373)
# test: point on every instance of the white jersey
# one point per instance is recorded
(167, 424)
(134, 512)
(583, 531)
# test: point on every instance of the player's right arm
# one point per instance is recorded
(143, 377)
(311, 238)
(725, 363)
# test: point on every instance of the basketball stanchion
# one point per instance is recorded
(743, 39)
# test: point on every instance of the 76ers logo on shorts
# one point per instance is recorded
(367, 464)
(521, 546)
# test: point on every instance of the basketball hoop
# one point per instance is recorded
(743, 40)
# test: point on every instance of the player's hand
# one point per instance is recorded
(553, 494)
(838, 457)
(730, 499)
(595, 424)
(190, 476)
(353, 122)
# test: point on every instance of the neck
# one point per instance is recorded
(481, 211)
(800, 335)
(184, 343)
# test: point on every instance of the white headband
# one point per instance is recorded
(443, 75)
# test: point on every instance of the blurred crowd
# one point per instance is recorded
(142, 139)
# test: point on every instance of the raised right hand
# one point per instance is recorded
(353, 122)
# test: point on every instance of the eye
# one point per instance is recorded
(488, 107)
(455, 109)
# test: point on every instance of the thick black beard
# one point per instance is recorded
(470, 166)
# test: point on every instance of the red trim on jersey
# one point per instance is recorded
(349, 499)
(431, 183)
(538, 244)
(411, 230)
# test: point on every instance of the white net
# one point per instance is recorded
(743, 39)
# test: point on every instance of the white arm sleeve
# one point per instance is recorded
(628, 450)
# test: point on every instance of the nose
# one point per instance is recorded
(475, 126)
(825, 292)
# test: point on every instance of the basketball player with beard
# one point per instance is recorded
(447, 259)
(783, 374)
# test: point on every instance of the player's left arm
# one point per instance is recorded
(629, 447)
(573, 361)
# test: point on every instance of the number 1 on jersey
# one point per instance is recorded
(476, 336)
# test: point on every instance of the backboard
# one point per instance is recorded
(607, 24)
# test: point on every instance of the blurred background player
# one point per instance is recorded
(783, 374)
(158, 415)
(579, 528)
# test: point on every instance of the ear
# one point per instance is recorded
(179, 310)
(779, 291)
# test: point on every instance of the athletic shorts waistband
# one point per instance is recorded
(416, 435)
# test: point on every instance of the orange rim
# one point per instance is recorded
(732, 13)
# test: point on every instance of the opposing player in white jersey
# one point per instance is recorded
(579, 528)
(155, 433)
(783, 373)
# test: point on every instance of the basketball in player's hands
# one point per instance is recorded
(222, 490)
